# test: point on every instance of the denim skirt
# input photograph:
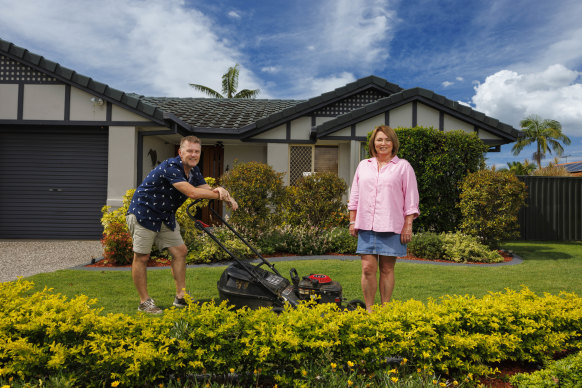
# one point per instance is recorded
(380, 243)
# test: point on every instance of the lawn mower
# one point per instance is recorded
(244, 284)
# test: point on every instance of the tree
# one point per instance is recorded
(229, 86)
(490, 204)
(441, 160)
(547, 135)
(519, 168)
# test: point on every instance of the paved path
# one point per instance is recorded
(30, 257)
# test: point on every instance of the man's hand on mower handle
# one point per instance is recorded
(224, 195)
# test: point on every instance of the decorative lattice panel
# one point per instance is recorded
(349, 104)
(299, 162)
(12, 71)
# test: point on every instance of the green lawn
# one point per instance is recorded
(547, 267)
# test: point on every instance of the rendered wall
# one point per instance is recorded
(122, 163)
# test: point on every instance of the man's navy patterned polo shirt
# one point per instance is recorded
(156, 199)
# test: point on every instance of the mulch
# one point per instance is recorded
(164, 262)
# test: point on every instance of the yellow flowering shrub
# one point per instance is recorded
(43, 333)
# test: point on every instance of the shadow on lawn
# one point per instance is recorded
(541, 252)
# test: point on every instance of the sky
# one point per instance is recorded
(506, 58)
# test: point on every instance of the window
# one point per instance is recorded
(304, 160)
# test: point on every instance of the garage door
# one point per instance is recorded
(53, 182)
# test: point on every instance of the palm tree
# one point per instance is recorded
(547, 134)
(518, 168)
(229, 86)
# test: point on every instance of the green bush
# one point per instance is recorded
(306, 240)
(490, 204)
(259, 191)
(316, 200)
(566, 372)
(440, 160)
(43, 334)
(427, 245)
(117, 244)
(206, 250)
(461, 248)
(457, 247)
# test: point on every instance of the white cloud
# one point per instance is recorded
(356, 31)
(552, 93)
(447, 84)
(271, 69)
(459, 79)
(150, 47)
(314, 86)
(234, 15)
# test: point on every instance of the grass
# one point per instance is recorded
(547, 267)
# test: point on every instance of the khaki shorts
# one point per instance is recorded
(144, 239)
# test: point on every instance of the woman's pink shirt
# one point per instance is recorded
(383, 198)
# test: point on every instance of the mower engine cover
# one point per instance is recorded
(238, 287)
(320, 288)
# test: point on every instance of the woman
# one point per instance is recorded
(383, 204)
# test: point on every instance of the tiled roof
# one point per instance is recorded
(322, 100)
(428, 97)
(80, 81)
(219, 113)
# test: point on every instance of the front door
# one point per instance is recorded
(211, 164)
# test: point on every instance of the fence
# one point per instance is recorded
(554, 209)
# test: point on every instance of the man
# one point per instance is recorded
(151, 217)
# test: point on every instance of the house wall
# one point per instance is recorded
(277, 133)
(278, 158)
(8, 102)
(122, 163)
(301, 128)
(83, 109)
(427, 116)
(366, 126)
(452, 123)
(44, 102)
(402, 117)
(244, 152)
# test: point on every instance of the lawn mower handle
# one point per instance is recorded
(263, 260)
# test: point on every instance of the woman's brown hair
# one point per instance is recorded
(388, 131)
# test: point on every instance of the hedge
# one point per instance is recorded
(43, 333)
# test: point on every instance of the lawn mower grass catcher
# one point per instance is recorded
(245, 284)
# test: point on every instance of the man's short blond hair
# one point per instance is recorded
(190, 139)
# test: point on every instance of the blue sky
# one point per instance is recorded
(505, 58)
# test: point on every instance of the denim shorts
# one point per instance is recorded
(380, 243)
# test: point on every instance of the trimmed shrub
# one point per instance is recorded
(440, 160)
(306, 240)
(43, 334)
(461, 248)
(490, 203)
(457, 247)
(206, 250)
(427, 245)
(316, 200)
(258, 190)
(562, 373)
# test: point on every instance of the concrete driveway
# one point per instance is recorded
(29, 257)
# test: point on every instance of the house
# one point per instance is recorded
(70, 144)
(574, 168)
